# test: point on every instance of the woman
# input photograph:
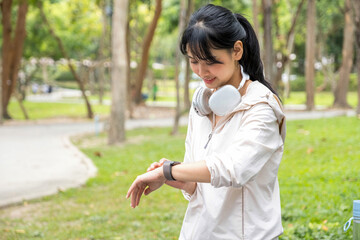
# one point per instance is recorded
(235, 137)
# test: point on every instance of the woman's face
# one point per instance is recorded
(216, 75)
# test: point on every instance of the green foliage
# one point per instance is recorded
(168, 72)
(330, 18)
(77, 23)
(299, 83)
(318, 180)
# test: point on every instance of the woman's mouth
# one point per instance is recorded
(208, 80)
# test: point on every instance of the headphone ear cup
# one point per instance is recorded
(201, 101)
(224, 100)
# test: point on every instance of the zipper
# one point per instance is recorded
(214, 127)
(209, 138)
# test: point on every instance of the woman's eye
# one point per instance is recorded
(193, 62)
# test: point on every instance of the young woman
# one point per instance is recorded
(235, 137)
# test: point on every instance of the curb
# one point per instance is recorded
(90, 166)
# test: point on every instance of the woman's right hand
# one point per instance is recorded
(156, 165)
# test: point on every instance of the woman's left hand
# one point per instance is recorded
(145, 183)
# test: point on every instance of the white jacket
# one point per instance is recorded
(243, 156)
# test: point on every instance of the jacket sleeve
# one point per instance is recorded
(255, 142)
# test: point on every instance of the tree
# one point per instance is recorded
(187, 103)
(145, 52)
(118, 73)
(255, 13)
(347, 60)
(268, 43)
(66, 56)
(103, 44)
(1, 106)
(178, 58)
(12, 50)
(78, 24)
(286, 46)
(310, 54)
(356, 7)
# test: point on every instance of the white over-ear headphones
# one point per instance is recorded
(221, 102)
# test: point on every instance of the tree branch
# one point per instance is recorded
(66, 56)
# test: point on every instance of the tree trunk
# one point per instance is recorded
(182, 22)
(118, 73)
(347, 60)
(310, 54)
(268, 43)
(255, 12)
(22, 107)
(101, 68)
(145, 52)
(1, 106)
(66, 56)
(187, 102)
(356, 7)
(12, 50)
(130, 87)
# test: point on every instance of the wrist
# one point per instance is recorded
(167, 170)
(160, 173)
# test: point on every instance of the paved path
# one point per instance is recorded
(38, 159)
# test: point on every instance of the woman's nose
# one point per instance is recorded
(202, 70)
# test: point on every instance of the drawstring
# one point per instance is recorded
(245, 77)
(347, 224)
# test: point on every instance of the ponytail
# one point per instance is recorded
(251, 60)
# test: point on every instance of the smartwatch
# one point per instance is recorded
(167, 169)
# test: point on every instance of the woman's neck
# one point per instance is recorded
(236, 78)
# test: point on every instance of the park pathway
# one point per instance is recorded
(38, 159)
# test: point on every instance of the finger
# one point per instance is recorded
(148, 191)
(131, 189)
(139, 194)
(162, 161)
(153, 166)
(134, 196)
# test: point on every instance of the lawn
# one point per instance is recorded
(46, 110)
(319, 179)
(322, 98)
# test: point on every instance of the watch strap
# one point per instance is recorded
(167, 169)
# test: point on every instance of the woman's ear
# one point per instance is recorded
(238, 50)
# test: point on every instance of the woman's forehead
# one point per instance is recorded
(215, 53)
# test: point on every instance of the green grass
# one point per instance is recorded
(43, 110)
(323, 99)
(319, 178)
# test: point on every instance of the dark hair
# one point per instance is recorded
(215, 27)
